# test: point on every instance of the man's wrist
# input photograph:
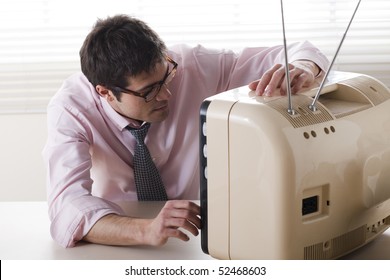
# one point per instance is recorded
(310, 66)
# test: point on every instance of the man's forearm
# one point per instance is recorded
(174, 217)
(117, 230)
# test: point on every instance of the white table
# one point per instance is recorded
(24, 235)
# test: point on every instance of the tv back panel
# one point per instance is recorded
(309, 185)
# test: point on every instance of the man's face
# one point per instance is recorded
(135, 107)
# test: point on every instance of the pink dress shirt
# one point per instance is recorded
(88, 153)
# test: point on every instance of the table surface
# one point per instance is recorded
(25, 236)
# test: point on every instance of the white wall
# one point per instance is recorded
(22, 172)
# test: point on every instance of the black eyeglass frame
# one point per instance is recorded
(155, 88)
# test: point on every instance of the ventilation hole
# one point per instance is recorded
(326, 245)
(313, 133)
(306, 135)
(302, 111)
(326, 130)
(374, 89)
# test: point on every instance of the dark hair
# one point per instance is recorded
(119, 47)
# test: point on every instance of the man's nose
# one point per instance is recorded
(164, 93)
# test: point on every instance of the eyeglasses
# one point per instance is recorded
(151, 91)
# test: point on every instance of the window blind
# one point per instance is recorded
(40, 39)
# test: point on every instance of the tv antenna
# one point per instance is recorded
(290, 109)
(312, 106)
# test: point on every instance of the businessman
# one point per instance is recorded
(131, 84)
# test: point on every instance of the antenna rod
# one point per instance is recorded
(290, 109)
(312, 106)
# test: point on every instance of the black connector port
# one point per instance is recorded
(309, 205)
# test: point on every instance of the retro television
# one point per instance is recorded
(296, 177)
(313, 185)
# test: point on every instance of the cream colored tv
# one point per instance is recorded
(314, 185)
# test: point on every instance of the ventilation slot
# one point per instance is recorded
(336, 247)
(304, 116)
(342, 115)
(376, 92)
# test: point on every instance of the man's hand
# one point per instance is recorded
(174, 217)
(302, 74)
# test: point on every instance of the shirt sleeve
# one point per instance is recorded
(221, 70)
(72, 208)
(253, 62)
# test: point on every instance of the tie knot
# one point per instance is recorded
(140, 133)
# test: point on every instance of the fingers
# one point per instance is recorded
(174, 228)
(275, 78)
(297, 79)
(174, 219)
(184, 214)
(175, 233)
(184, 210)
(269, 81)
(183, 204)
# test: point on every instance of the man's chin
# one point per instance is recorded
(160, 115)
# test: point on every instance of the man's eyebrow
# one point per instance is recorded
(156, 83)
(149, 86)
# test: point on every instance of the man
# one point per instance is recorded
(129, 80)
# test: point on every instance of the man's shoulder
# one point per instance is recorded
(76, 91)
(188, 50)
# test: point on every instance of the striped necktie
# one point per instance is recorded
(148, 181)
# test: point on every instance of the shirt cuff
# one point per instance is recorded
(76, 219)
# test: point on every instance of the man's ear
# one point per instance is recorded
(105, 92)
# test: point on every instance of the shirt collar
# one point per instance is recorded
(119, 121)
